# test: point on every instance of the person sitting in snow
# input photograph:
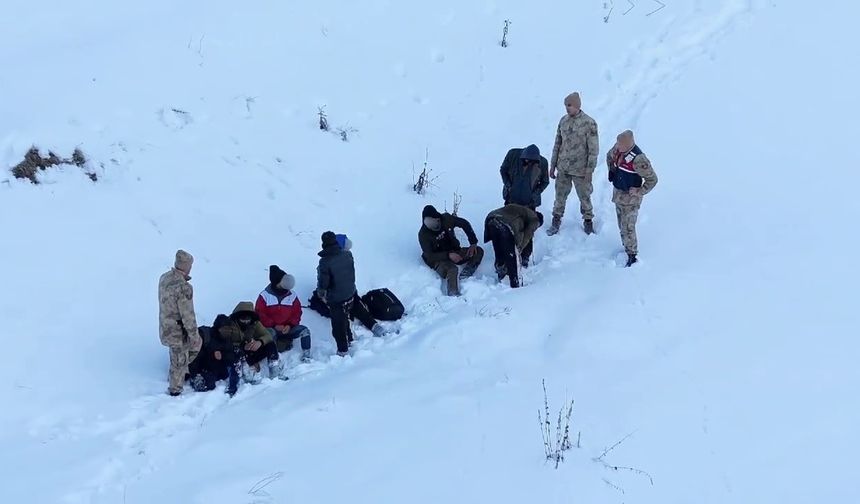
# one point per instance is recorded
(441, 249)
(242, 339)
(510, 228)
(280, 312)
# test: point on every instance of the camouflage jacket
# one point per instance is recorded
(176, 318)
(522, 221)
(642, 168)
(576, 145)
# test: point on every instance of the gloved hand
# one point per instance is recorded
(611, 175)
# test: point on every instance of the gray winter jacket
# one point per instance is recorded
(336, 274)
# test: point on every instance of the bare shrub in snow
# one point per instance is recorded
(426, 179)
(458, 198)
(323, 118)
(504, 42)
(344, 132)
(34, 162)
(556, 439)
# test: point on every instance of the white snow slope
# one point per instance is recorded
(728, 355)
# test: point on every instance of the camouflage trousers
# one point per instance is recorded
(563, 184)
(180, 358)
(627, 215)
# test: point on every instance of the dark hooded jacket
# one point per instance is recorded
(232, 334)
(435, 245)
(336, 271)
(522, 221)
(524, 186)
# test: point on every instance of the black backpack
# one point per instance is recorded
(383, 304)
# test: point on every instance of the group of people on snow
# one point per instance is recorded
(234, 347)
(525, 175)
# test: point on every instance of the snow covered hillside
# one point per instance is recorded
(728, 355)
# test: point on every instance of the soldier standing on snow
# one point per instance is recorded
(574, 158)
(633, 177)
(524, 177)
(177, 325)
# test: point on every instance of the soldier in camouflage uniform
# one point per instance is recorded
(633, 177)
(177, 323)
(574, 158)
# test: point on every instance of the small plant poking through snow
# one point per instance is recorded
(426, 178)
(504, 42)
(344, 132)
(458, 198)
(555, 445)
(323, 118)
(34, 162)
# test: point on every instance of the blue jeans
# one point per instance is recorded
(284, 341)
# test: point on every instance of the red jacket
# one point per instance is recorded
(274, 309)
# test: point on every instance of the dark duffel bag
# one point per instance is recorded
(318, 305)
(383, 304)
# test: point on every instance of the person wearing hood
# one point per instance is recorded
(441, 250)
(510, 228)
(177, 324)
(336, 286)
(241, 340)
(280, 312)
(525, 176)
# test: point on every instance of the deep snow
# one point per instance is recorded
(728, 352)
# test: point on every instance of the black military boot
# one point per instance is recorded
(588, 226)
(556, 224)
(631, 260)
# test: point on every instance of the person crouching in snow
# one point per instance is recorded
(336, 286)
(511, 229)
(243, 339)
(280, 312)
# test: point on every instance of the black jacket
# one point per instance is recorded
(537, 178)
(336, 274)
(435, 245)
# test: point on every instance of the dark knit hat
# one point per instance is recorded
(430, 211)
(276, 274)
(329, 239)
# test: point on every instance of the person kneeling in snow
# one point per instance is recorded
(510, 228)
(280, 312)
(441, 249)
(241, 340)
